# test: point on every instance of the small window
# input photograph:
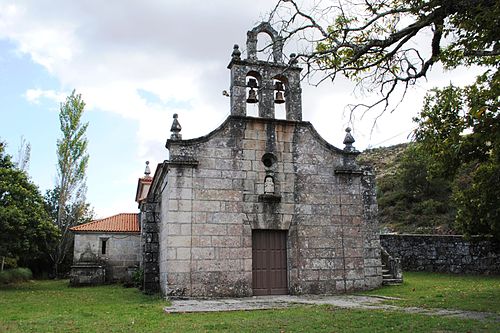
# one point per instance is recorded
(268, 159)
(104, 242)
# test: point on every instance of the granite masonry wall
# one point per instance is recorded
(451, 254)
(212, 194)
(122, 251)
(149, 219)
(212, 200)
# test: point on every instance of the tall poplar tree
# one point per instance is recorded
(72, 161)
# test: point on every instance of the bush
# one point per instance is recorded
(15, 275)
(138, 278)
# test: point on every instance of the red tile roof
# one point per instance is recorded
(124, 222)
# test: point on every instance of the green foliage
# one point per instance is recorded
(477, 196)
(25, 228)
(15, 275)
(138, 278)
(385, 46)
(461, 125)
(66, 203)
(116, 309)
(75, 213)
(410, 200)
(474, 28)
(9, 262)
(459, 128)
(372, 39)
(71, 150)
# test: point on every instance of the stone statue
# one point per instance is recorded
(269, 185)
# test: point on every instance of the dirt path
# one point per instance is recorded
(284, 301)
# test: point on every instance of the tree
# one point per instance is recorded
(25, 227)
(385, 43)
(411, 200)
(72, 163)
(461, 125)
(460, 129)
(23, 155)
(77, 212)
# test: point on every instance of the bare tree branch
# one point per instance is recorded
(373, 42)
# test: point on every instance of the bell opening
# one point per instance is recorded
(252, 96)
(279, 100)
(252, 109)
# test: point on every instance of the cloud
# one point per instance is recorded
(177, 53)
(34, 95)
(109, 53)
(146, 60)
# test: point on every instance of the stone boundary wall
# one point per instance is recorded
(439, 253)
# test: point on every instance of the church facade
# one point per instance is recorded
(260, 205)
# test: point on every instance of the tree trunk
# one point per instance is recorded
(3, 263)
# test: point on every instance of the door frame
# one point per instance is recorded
(282, 289)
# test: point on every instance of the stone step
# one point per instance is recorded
(391, 282)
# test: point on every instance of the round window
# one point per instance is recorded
(268, 159)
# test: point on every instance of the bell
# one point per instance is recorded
(278, 86)
(252, 96)
(279, 98)
(252, 83)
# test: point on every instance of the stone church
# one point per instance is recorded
(260, 205)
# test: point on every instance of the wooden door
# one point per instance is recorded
(269, 271)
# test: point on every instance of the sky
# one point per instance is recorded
(136, 63)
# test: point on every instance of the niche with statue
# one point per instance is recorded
(271, 189)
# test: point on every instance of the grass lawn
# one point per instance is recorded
(433, 290)
(51, 306)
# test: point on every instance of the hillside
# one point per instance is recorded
(409, 200)
(385, 160)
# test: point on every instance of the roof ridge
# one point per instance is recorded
(121, 222)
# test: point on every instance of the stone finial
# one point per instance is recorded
(176, 129)
(293, 59)
(147, 171)
(236, 52)
(349, 140)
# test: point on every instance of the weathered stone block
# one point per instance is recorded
(206, 206)
(201, 241)
(226, 241)
(180, 266)
(209, 229)
(179, 241)
(204, 253)
(201, 174)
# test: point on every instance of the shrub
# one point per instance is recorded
(138, 278)
(15, 275)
